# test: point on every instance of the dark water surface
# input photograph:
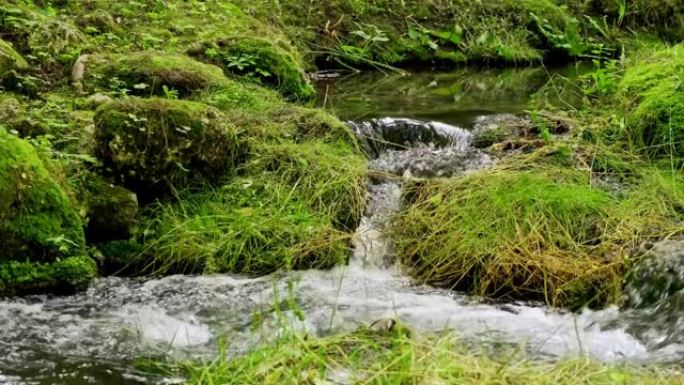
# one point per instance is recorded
(458, 97)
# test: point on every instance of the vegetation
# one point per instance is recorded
(366, 357)
(178, 137)
(41, 234)
(161, 144)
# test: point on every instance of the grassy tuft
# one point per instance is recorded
(365, 357)
(251, 226)
(654, 95)
(329, 175)
(541, 234)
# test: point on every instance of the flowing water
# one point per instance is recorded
(99, 336)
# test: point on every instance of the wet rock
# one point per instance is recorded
(494, 129)
(658, 275)
(153, 145)
(112, 211)
(379, 135)
(506, 128)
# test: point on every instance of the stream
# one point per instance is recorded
(98, 336)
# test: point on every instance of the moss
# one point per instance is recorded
(654, 97)
(236, 96)
(151, 73)
(252, 225)
(362, 32)
(10, 59)
(262, 60)
(159, 144)
(37, 220)
(61, 276)
(112, 211)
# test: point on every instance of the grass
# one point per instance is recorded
(651, 90)
(366, 357)
(249, 226)
(544, 233)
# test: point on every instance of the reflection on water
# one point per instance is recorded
(456, 97)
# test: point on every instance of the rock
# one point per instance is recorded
(10, 59)
(112, 211)
(41, 234)
(147, 73)
(96, 100)
(658, 275)
(154, 145)
(493, 129)
(274, 64)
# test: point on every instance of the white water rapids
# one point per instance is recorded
(92, 337)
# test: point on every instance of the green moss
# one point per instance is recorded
(159, 144)
(236, 96)
(252, 226)
(10, 59)
(510, 31)
(37, 220)
(64, 275)
(654, 94)
(270, 63)
(112, 210)
(151, 73)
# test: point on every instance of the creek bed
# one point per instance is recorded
(102, 335)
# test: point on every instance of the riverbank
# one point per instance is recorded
(149, 139)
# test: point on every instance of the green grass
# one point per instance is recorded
(543, 233)
(652, 91)
(366, 357)
(252, 225)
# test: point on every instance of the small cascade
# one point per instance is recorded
(404, 149)
(98, 333)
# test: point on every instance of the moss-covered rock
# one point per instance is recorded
(654, 95)
(37, 220)
(149, 73)
(62, 276)
(10, 59)
(272, 64)
(41, 234)
(112, 211)
(153, 145)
